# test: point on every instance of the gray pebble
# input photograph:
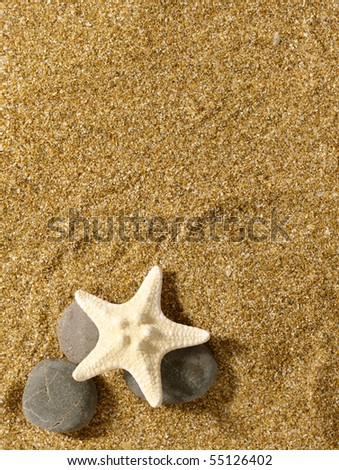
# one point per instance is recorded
(186, 374)
(77, 334)
(53, 400)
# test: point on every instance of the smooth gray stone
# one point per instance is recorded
(186, 375)
(53, 400)
(77, 334)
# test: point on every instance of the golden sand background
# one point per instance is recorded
(178, 109)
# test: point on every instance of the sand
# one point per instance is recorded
(219, 120)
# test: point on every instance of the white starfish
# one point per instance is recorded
(135, 336)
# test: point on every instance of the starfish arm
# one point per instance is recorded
(147, 300)
(147, 373)
(183, 336)
(97, 309)
(89, 367)
(98, 361)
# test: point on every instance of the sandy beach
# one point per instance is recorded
(200, 138)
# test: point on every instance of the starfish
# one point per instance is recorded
(135, 336)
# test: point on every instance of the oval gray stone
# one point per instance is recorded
(53, 400)
(77, 334)
(186, 375)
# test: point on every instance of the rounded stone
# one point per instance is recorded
(186, 375)
(77, 334)
(53, 400)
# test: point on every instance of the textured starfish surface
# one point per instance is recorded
(135, 336)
